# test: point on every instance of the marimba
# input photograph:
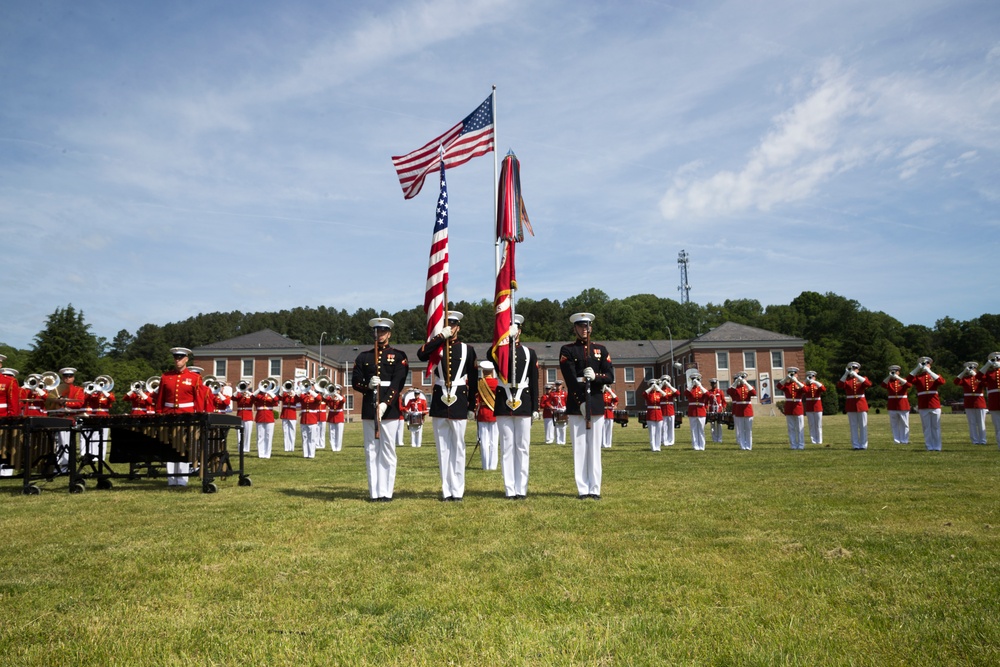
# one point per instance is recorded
(29, 449)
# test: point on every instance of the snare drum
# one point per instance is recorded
(621, 417)
(415, 420)
(560, 416)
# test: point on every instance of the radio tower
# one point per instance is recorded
(684, 287)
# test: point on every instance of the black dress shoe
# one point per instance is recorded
(446, 499)
(512, 497)
(595, 496)
(522, 497)
(386, 499)
(456, 499)
(584, 496)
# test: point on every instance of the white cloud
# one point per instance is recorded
(804, 148)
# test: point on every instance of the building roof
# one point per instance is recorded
(265, 339)
(731, 332)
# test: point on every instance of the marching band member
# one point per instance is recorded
(695, 395)
(139, 399)
(486, 421)
(669, 411)
(289, 414)
(654, 415)
(715, 402)
(742, 392)
(264, 404)
(222, 397)
(96, 403)
(926, 383)
(971, 382)
(450, 404)
(610, 404)
(180, 392)
(586, 367)
(70, 398)
(898, 405)
(323, 415)
(991, 380)
(10, 392)
(812, 403)
(335, 417)
(416, 410)
(793, 389)
(379, 376)
(32, 397)
(516, 406)
(548, 422)
(309, 414)
(854, 385)
(557, 403)
(243, 396)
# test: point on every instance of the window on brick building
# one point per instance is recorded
(550, 375)
(749, 359)
(247, 368)
(220, 368)
(629, 374)
(274, 367)
(630, 399)
(722, 360)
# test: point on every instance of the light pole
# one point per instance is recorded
(672, 367)
(320, 373)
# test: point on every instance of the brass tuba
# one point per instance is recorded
(152, 384)
(104, 384)
(268, 386)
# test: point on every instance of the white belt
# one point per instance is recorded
(178, 405)
(310, 411)
(3, 405)
(793, 400)
(699, 404)
(457, 382)
(856, 396)
(741, 402)
(992, 391)
(975, 394)
(338, 410)
(897, 395)
(926, 393)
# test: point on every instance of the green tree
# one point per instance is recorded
(66, 341)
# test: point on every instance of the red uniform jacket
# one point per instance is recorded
(543, 403)
(991, 380)
(335, 406)
(220, 402)
(180, 393)
(289, 403)
(696, 401)
(244, 405)
(654, 413)
(972, 387)
(610, 403)
(793, 398)
(715, 401)
(417, 404)
(855, 392)
(10, 396)
(927, 393)
(141, 404)
(898, 400)
(812, 396)
(667, 401)
(741, 396)
(32, 402)
(98, 404)
(484, 413)
(310, 408)
(264, 403)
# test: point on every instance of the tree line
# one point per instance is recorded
(838, 330)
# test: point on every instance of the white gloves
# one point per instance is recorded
(535, 416)
(917, 370)
(588, 373)
(446, 333)
(513, 331)
(471, 415)
(375, 382)
(583, 409)
(381, 409)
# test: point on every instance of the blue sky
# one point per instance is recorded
(158, 160)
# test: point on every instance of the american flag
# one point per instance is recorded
(470, 138)
(437, 274)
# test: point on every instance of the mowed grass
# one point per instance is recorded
(770, 557)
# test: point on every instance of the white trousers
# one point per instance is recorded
(796, 431)
(177, 473)
(400, 432)
(899, 423)
(697, 433)
(247, 435)
(930, 420)
(815, 427)
(321, 441)
(668, 430)
(265, 436)
(655, 434)
(288, 431)
(858, 423)
(449, 436)
(336, 436)
(560, 433)
(380, 457)
(416, 436)
(716, 432)
(488, 433)
(310, 440)
(550, 430)
(977, 425)
(744, 432)
(995, 418)
(515, 442)
(587, 453)
(609, 429)
(90, 442)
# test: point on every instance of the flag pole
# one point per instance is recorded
(496, 187)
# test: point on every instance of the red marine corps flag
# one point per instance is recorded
(512, 219)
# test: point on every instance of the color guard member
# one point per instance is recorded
(379, 376)
(451, 406)
(854, 385)
(898, 405)
(926, 382)
(586, 368)
(516, 406)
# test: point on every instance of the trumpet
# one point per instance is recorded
(137, 387)
(152, 384)
(268, 386)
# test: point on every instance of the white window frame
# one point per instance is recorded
(270, 367)
(550, 375)
(753, 360)
(648, 373)
(218, 373)
(629, 374)
(243, 367)
(781, 358)
(722, 360)
(629, 398)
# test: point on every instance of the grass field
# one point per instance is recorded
(770, 557)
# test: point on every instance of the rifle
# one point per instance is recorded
(586, 358)
(377, 395)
